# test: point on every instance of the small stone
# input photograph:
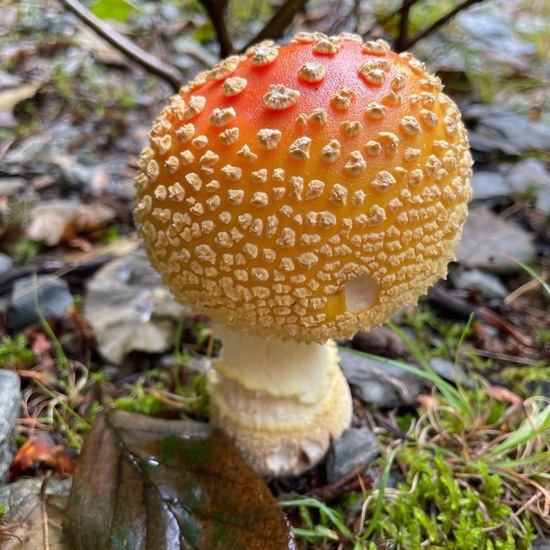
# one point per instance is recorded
(448, 371)
(10, 404)
(355, 447)
(6, 263)
(488, 239)
(489, 185)
(11, 186)
(53, 296)
(13, 494)
(379, 383)
(488, 285)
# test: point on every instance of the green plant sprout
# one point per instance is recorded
(14, 352)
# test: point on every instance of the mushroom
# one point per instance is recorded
(296, 194)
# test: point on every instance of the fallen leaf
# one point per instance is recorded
(40, 453)
(36, 525)
(59, 221)
(146, 483)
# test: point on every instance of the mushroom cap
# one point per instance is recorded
(305, 191)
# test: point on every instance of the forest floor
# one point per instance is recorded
(74, 115)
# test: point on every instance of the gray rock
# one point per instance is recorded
(13, 494)
(448, 371)
(378, 383)
(531, 175)
(11, 186)
(355, 447)
(34, 150)
(500, 128)
(130, 310)
(490, 286)
(489, 185)
(10, 404)
(487, 239)
(6, 263)
(53, 295)
(540, 544)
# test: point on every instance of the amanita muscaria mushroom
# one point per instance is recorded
(296, 194)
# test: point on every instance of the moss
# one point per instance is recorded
(435, 505)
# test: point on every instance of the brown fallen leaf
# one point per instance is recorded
(40, 453)
(149, 484)
(36, 524)
(59, 221)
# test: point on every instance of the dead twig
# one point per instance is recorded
(277, 25)
(51, 267)
(216, 10)
(133, 52)
(439, 23)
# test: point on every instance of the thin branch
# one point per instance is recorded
(386, 19)
(133, 52)
(216, 11)
(403, 36)
(440, 22)
(280, 21)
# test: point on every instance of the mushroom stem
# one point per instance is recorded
(281, 401)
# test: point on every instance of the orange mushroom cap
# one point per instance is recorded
(305, 191)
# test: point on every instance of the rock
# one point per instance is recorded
(13, 494)
(378, 383)
(486, 239)
(130, 310)
(10, 404)
(355, 447)
(498, 129)
(489, 185)
(488, 285)
(381, 341)
(448, 371)
(34, 150)
(53, 295)
(531, 176)
(6, 263)
(11, 186)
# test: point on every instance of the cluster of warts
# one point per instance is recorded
(270, 247)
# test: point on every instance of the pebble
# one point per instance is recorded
(6, 263)
(378, 383)
(486, 239)
(13, 494)
(11, 186)
(487, 284)
(489, 185)
(355, 447)
(498, 128)
(10, 404)
(448, 371)
(531, 176)
(31, 151)
(53, 295)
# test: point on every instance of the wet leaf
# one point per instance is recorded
(145, 483)
(36, 524)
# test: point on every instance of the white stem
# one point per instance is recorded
(282, 402)
(275, 367)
